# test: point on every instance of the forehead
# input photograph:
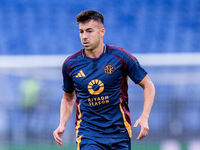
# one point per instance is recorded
(90, 24)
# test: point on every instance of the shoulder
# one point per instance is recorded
(70, 60)
(120, 52)
(73, 57)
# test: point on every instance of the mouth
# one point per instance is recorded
(86, 43)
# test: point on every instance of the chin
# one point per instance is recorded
(88, 48)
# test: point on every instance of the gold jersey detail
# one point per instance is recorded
(127, 125)
(95, 82)
(80, 74)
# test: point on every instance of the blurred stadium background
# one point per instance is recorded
(37, 35)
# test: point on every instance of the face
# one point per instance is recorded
(91, 34)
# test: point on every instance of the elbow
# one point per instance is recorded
(148, 85)
(150, 88)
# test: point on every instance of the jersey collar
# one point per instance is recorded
(104, 51)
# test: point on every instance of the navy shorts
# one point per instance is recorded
(97, 143)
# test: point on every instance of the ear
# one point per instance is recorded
(102, 32)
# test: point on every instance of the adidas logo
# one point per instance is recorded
(80, 74)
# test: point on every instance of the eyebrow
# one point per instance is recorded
(86, 29)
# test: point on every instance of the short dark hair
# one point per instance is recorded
(87, 15)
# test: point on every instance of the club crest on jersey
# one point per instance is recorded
(109, 69)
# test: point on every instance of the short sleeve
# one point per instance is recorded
(135, 71)
(68, 84)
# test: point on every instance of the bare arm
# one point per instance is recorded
(66, 108)
(149, 93)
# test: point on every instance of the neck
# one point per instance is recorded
(95, 53)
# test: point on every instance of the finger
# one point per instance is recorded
(140, 136)
(59, 141)
(135, 125)
(57, 138)
(143, 133)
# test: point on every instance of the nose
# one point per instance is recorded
(84, 35)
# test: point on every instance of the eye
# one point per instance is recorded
(80, 31)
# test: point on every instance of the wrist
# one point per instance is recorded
(145, 116)
(62, 124)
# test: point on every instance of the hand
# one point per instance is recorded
(143, 123)
(58, 133)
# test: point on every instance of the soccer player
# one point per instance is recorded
(98, 76)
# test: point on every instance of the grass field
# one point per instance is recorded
(72, 147)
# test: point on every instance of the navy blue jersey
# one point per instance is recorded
(101, 86)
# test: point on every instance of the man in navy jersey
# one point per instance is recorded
(98, 76)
